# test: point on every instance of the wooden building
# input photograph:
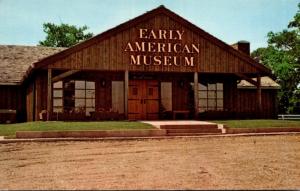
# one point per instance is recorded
(155, 66)
(14, 63)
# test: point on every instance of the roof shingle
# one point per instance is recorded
(15, 60)
(266, 83)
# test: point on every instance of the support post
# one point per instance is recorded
(126, 84)
(196, 94)
(49, 95)
(259, 106)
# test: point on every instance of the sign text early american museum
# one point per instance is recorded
(152, 49)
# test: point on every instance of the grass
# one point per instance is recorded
(259, 123)
(9, 130)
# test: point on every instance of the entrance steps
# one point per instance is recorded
(191, 130)
(187, 128)
(191, 134)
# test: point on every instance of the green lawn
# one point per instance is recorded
(259, 123)
(9, 130)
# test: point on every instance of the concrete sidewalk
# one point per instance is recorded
(5, 141)
(157, 124)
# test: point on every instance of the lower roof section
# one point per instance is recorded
(15, 61)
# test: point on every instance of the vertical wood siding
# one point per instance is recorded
(29, 102)
(41, 93)
(242, 103)
(11, 97)
(109, 54)
(247, 103)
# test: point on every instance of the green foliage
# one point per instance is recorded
(63, 35)
(282, 56)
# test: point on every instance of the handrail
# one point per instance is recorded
(288, 116)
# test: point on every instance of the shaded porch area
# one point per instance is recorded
(102, 95)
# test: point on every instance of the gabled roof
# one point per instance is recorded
(160, 10)
(15, 60)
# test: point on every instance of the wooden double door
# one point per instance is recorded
(143, 100)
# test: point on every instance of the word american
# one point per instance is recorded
(152, 50)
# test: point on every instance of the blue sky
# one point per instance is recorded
(229, 20)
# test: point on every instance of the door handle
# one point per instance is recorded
(144, 101)
(141, 101)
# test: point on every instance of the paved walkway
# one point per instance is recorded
(4, 141)
(157, 124)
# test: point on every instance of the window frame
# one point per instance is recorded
(212, 92)
(69, 97)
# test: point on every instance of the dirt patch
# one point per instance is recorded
(263, 162)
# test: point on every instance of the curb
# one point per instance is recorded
(90, 133)
(5, 141)
(262, 130)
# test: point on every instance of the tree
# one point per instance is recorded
(63, 35)
(282, 56)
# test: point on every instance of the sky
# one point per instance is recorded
(21, 21)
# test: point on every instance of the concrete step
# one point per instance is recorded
(191, 134)
(199, 130)
(192, 126)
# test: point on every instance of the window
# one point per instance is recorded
(166, 95)
(58, 97)
(117, 92)
(85, 96)
(74, 95)
(210, 97)
(68, 96)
